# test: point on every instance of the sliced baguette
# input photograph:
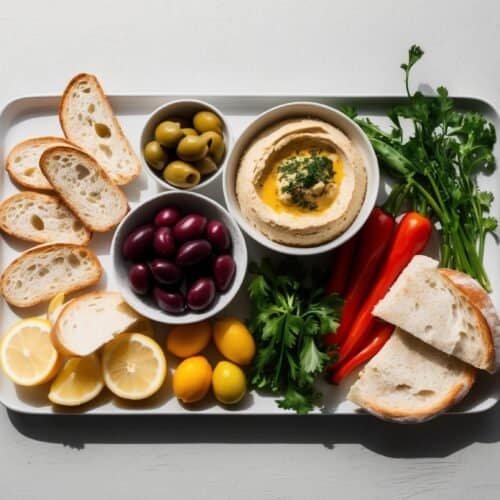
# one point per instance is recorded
(425, 303)
(87, 120)
(22, 163)
(45, 270)
(41, 218)
(84, 187)
(88, 322)
(410, 382)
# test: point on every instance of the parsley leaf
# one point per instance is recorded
(288, 321)
(435, 164)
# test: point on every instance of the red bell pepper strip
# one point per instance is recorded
(379, 336)
(341, 267)
(411, 237)
(374, 240)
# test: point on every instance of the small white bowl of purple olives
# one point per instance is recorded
(179, 258)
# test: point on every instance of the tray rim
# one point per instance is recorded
(16, 100)
(189, 95)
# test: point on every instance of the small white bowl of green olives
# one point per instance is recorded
(184, 145)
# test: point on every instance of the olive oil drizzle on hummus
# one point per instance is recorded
(305, 182)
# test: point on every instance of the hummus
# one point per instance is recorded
(301, 182)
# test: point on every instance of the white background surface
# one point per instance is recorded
(248, 47)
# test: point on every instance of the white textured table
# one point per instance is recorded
(248, 47)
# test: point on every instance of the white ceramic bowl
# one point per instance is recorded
(182, 108)
(143, 214)
(297, 110)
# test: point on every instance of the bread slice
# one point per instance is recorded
(425, 303)
(22, 163)
(41, 218)
(45, 270)
(88, 322)
(480, 299)
(408, 381)
(87, 120)
(84, 187)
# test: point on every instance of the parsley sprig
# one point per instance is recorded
(435, 166)
(288, 322)
(299, 174)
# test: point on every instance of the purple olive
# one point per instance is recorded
(168, 217)
(171, 302)
(192, 252)
(139, 242)
(223, 271)
(139, 277)
(190, 227)
(218, 235)
(201, 294)
(166, 272)
(164, 242)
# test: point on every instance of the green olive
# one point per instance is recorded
(155, 155)
(204, 121)
(181, 174)
(189, 131)
(168, 134)
(192, 148)
(216, 147)
(181, 120)
(205, 166)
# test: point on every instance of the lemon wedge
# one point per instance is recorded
(78, 382)
(134, 366)
(55, 307)
(27, 355)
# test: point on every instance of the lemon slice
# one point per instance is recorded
(134, 366)
(27, 354)
(78, 382)
(55, 307)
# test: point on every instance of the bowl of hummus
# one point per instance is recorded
(301, 179)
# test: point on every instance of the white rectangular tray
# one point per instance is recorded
(37, 115)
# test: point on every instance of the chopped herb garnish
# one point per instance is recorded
(299, 175)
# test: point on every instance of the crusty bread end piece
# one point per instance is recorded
(84, 187)
(22, 163)
(480, 299)
(425, 303)
(88, 322)
(410, 382)
(45, 270)
(88, 120)
(41, 218)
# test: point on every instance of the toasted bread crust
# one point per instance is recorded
(54, 334)
(63, 109)
(34, 196)
(478, 298)
(35, 141)
(454, 396)
(67, 200)
(43, 249)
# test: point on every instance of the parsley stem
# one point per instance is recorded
(277, 374)
(430, 200)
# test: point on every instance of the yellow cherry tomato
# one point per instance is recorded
(192, 379)
(234, 341)
(184, 341)
(229, 383)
